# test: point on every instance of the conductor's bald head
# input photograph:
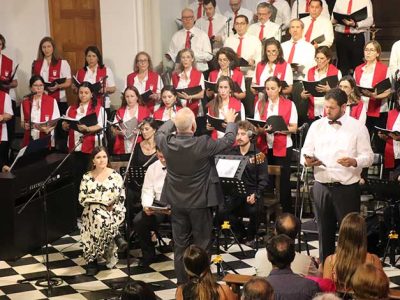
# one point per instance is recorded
(185, 121)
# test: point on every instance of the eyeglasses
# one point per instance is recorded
(369, 50)
(240, 23)
(142, 61)
(187, 18)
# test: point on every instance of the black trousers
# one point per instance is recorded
(285, 190)
(189, 226)
(332, 204)
(350, 51)
(143, 224)
(4, 147)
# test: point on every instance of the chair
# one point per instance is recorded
(272, 199)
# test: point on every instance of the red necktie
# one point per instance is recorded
(199, 9)
(210, 27)
(187, 42)
(309, 30)
(347, 28)
(291, 55)
(308, 5)
(239, 48)
(261, 34)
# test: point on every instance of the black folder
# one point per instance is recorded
(318, 39)
(277, 123)
(310, 86)
(48, 85)
(89, 120)
(95, 87)
(357, 16)
(146, 96)
(303, 15)
(259, 88)
(386, 131)
(243, 62)
(191, 90)
(210, 85)
(159, 122)
(216, 123)
(380, 87)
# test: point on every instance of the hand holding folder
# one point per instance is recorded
(89, 120)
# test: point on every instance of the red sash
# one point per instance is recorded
(2, 103)
(355, 111)
(46, 109)
(101, 73)
(88, 140)
(54, 73)
(158, 114)
(237, 76)
(389, 149)
(280, 71)
(151, 83)
(119, 145)
(332, 71)
(280, 140)
(6, 68)
(233, 103)
(374, 106)
(195, 77)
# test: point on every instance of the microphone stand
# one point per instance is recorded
(104, 86)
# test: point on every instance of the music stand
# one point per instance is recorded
(135, 174)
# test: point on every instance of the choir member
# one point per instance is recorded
(282, 17)
(170, 104)
(302, 7)
(265, 28)
(355, 106)
(237, 9)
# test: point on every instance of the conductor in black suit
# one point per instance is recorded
(191, 186)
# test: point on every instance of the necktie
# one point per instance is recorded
(291, 55)
(335, 122)
(187, 42)
(309, 30)
(308, 5)
(210, 27)
(199, 10)
(261, 34)
(239, 48)
(347, 28)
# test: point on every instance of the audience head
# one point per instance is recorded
(185, 121)
(369, 282)
(138, 290)
(245, 130)
(142, 62)
(264, 12)
(296, 28)
(241, 24)
(99, 158)
(36, 83)
(335, 103)
(280, 250)
(323, 55)
(168, 96)
(349, 86)
(209, 7)
(93, 57)
(187, 17)
(315, 8)
(197, 266)
(257, 288)
(273, 52)
(351, 250)
(48, 48)
(148, 128)
(327, 296)
(131, 97)
(186, 59)
(226, 58)
(2, 42)
(288, 224)
(372, 51)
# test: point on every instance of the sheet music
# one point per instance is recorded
(227, 168)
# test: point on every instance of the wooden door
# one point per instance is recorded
(75, 25)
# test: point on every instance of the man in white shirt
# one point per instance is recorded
(350, 39)
(301, 8)
(193, 38)
(338, 147)
(394, 62)
(264, 28)
(214, 24)
(148, 219)
(236, 10)
(282, 17)
(316, 25)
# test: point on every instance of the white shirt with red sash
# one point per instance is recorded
(277, 142)
(236, 75)
(40, 109)
(369, 80)
(5, 108)
(165, 114)
(95, 76)
(51, 72)
(6, 69)
(392, 148)
(357, 111)
(263, 71)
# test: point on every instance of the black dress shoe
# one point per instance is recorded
(92, 268)
(121, 243)
(145, 262)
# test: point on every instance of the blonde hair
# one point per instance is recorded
(370, 282)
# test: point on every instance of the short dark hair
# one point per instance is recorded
(245, 125)
(244, 17)
(280, 251)
(288, 224)
(320, 2)
(325, 51)
(213, 2)
(96, 51)
(338, 95)
(138, 290)
(258, 288)
(35, 78)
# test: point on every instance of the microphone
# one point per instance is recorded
(303, 127)
(229, 19)
(191, 36)
(30, 95)
(140, 124)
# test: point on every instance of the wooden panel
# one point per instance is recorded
(75, 25)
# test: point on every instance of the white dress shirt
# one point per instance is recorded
(268, 72)
(303, 55)
(366, 81)
(283, 12)
(219, 25)
(329, 143)
(362, 26)
(394, 62)
(302, 9)
(242, 84)
(242, 11)
(200, 44)
(273, 110)
(7, 110)
(65, 72)
(271, 30)
(322, 26)
(153, 183)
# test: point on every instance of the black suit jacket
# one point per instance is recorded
(192, 179)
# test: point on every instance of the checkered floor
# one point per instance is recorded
(66, 259)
